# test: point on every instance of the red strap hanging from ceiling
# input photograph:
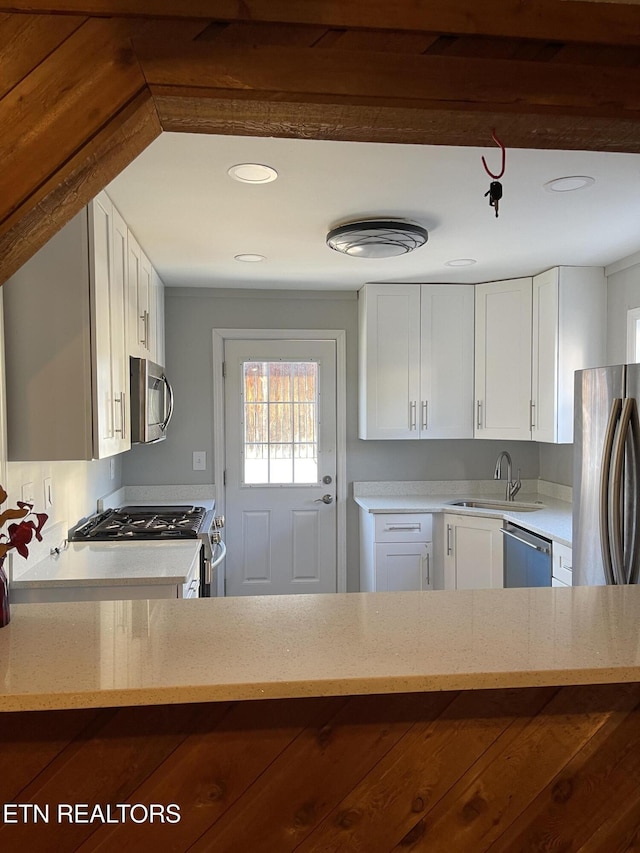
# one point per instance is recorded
(504, 157)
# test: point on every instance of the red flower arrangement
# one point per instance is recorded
(26, 524)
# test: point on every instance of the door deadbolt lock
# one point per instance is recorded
(327, 479)
(325, 499)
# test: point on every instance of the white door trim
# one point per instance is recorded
(337, 335)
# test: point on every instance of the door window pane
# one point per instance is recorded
(280, 416)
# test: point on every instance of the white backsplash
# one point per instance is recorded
(486, 488)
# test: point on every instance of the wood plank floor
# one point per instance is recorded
(538, 769)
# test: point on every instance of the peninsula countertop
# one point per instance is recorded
(105, 654)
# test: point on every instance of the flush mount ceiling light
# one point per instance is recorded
(461, 262)
(377, 238)
(252, 173)
(249, 258)
(569, 184)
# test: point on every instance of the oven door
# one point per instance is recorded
(213, 553)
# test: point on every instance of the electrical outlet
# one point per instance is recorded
(112, 468)
(48, 493)
(199, 460)
(27, 493)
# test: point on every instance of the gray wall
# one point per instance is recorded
(623, 293)
(192, 313)
(556, 463)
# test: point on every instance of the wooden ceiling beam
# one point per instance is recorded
(66, 129)
(315, 75)
(76, 182)
(202, 111)
(578, 21)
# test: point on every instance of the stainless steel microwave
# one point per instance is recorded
(151, 401)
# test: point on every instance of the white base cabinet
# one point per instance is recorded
(470, 552)
(561, 565)
(396, 552)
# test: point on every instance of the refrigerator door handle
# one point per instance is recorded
(616, 490)
(632, 570)
(605, 477)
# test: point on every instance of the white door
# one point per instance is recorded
(280, 452)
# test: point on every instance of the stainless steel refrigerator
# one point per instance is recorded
(606, 483)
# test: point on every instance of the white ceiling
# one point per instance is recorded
(192, 218)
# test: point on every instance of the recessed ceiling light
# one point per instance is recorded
(249, 259)
(569, 184)
(252, 173)
(461, 262)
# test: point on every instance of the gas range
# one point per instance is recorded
(160, 524)
(142, 522)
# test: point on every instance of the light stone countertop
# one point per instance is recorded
(105, 654)
(113, 564)
(554, 520)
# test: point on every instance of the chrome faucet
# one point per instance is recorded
(512, 487)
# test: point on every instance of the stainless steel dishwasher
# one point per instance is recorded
(527, 557)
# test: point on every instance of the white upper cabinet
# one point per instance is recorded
(503, 360)
(138, 302)
(446, 362)
(67, 369)
(157, 319)
(107, 270)
(569, 334)
(389, 360)
(145, 306)
(416, 361)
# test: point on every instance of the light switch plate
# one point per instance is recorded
(199, 460)
(27, 493)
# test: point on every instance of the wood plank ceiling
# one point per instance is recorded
(86, 85)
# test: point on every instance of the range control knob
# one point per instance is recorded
(216, 537)
(218, 521)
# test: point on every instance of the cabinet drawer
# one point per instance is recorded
(403, 527)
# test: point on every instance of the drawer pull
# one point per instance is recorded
(403, 527)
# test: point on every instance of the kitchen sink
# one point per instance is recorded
(514, 506)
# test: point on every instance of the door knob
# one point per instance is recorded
(325, 499)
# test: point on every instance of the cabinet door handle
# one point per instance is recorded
(428, 570)
(145, 322)
(425, 413)
(479, 418)
(412, 414)
(532, 412)
(118, 400)
(449, 545)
